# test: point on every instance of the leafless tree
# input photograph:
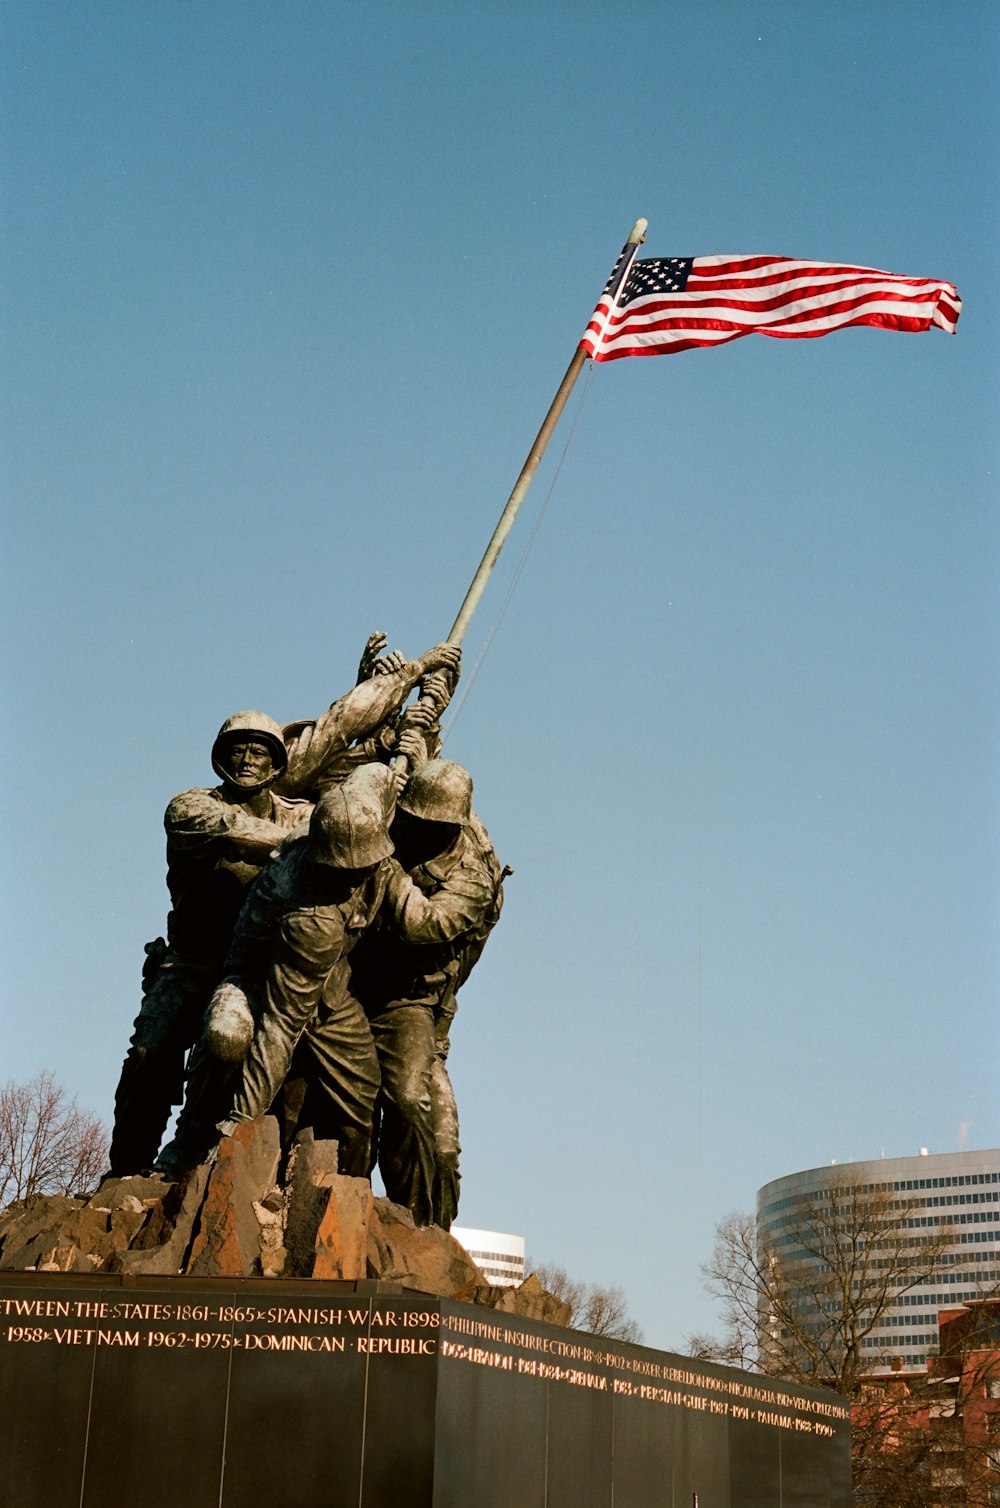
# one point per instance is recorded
(601, 1311)
(802, 1304)
(927, 1439)
(730, 1350)
(48, 1145)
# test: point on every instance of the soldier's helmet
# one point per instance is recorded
(246, 725)
(438, 791)
(347, 829)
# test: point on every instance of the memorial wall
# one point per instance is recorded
(305, 1393)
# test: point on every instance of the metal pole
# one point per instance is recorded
(507, 517)
(506, 522)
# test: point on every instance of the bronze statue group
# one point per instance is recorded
(328, 900)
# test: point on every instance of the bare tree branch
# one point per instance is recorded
(47, 1144)
(801, 1305)
(601, 1311)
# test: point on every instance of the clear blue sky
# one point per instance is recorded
(287, 289)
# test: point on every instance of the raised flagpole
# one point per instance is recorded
(620, 272)
(506, 522)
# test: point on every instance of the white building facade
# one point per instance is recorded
(959, 1190)
(498, 1256)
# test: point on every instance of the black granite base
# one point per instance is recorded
(305, 1394)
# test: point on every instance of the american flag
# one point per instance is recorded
(674, 303)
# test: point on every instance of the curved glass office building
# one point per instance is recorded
(959, 1191)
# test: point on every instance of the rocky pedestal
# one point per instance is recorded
(246, 1216)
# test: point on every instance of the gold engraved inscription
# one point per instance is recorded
(563, 1358)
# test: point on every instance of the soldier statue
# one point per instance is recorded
(217, 842)
(444, 894)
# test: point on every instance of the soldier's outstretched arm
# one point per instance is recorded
(196, 820)
(311, 745)
(456, 908)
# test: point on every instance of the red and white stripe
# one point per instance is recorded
(729, 296)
